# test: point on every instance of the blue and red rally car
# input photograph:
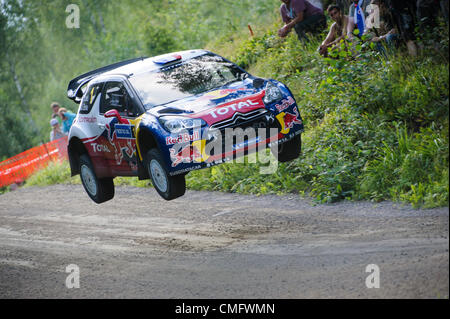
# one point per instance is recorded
(164, 116)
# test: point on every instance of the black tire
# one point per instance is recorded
(99, 190)
(169, 187)
(289, 150)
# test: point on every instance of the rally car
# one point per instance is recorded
(164, 116)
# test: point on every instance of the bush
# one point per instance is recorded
(54, 173)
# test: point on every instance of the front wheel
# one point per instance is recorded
(289, 150)
(169, 187)
(99, 190)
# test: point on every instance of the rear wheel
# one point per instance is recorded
(99, 190)
(289, 150)
(169, 187)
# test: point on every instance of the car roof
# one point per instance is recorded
(151, 64)
(127, 68)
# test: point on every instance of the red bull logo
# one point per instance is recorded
(187, 154)
(183, 138)
(288, 120)
(291, 119)
(125, 144)
(285, 104)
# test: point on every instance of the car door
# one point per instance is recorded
(116, 114)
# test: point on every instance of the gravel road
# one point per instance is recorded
(216, 245)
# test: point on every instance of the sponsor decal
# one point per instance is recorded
(121, 137)
(217, 94)
(124, 131)
(194, 152)
(187, 154)
(100, 148)
(185, 170)
(285, 104)
(288, 120)
(183, 138)
(224, 110)
(85, 119)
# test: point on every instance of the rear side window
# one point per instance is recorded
(90, 97)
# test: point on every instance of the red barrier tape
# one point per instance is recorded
(19, 167)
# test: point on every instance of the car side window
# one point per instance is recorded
(115, 96)
(90, 97)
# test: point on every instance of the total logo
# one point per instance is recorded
(100, 148)
(233, 107)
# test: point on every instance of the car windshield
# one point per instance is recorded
(175, 82)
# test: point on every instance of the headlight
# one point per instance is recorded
(176, 124)
(273, 94)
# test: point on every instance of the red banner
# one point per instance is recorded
(18, 168)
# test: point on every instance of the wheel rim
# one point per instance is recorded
(89, 180)
(158, 175)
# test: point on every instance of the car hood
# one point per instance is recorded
(201, 105)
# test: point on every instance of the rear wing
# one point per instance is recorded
(74, 91)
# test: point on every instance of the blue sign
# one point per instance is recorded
(124, 131)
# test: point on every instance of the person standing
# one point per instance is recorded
(67, 119)
(55, 108)
(402, 12)
(357, 18)
(56, 130)
(302, 16)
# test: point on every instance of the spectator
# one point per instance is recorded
(337, 29)
(357, 17)
(301, 16)
(402, 12)
(385, 32)
(55, 108)
(56, 130)
(67, 119)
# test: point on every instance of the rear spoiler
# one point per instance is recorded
(74, 91)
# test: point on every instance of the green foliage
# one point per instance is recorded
(54, 173)
(376, 126)
(413, 168)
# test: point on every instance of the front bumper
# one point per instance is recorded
(242, 134)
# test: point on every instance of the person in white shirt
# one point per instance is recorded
(56, 132)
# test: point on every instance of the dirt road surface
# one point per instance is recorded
(216, 245)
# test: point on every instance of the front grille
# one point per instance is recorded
(239, 119)
(260, 120)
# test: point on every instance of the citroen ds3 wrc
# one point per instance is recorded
(164, 116)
